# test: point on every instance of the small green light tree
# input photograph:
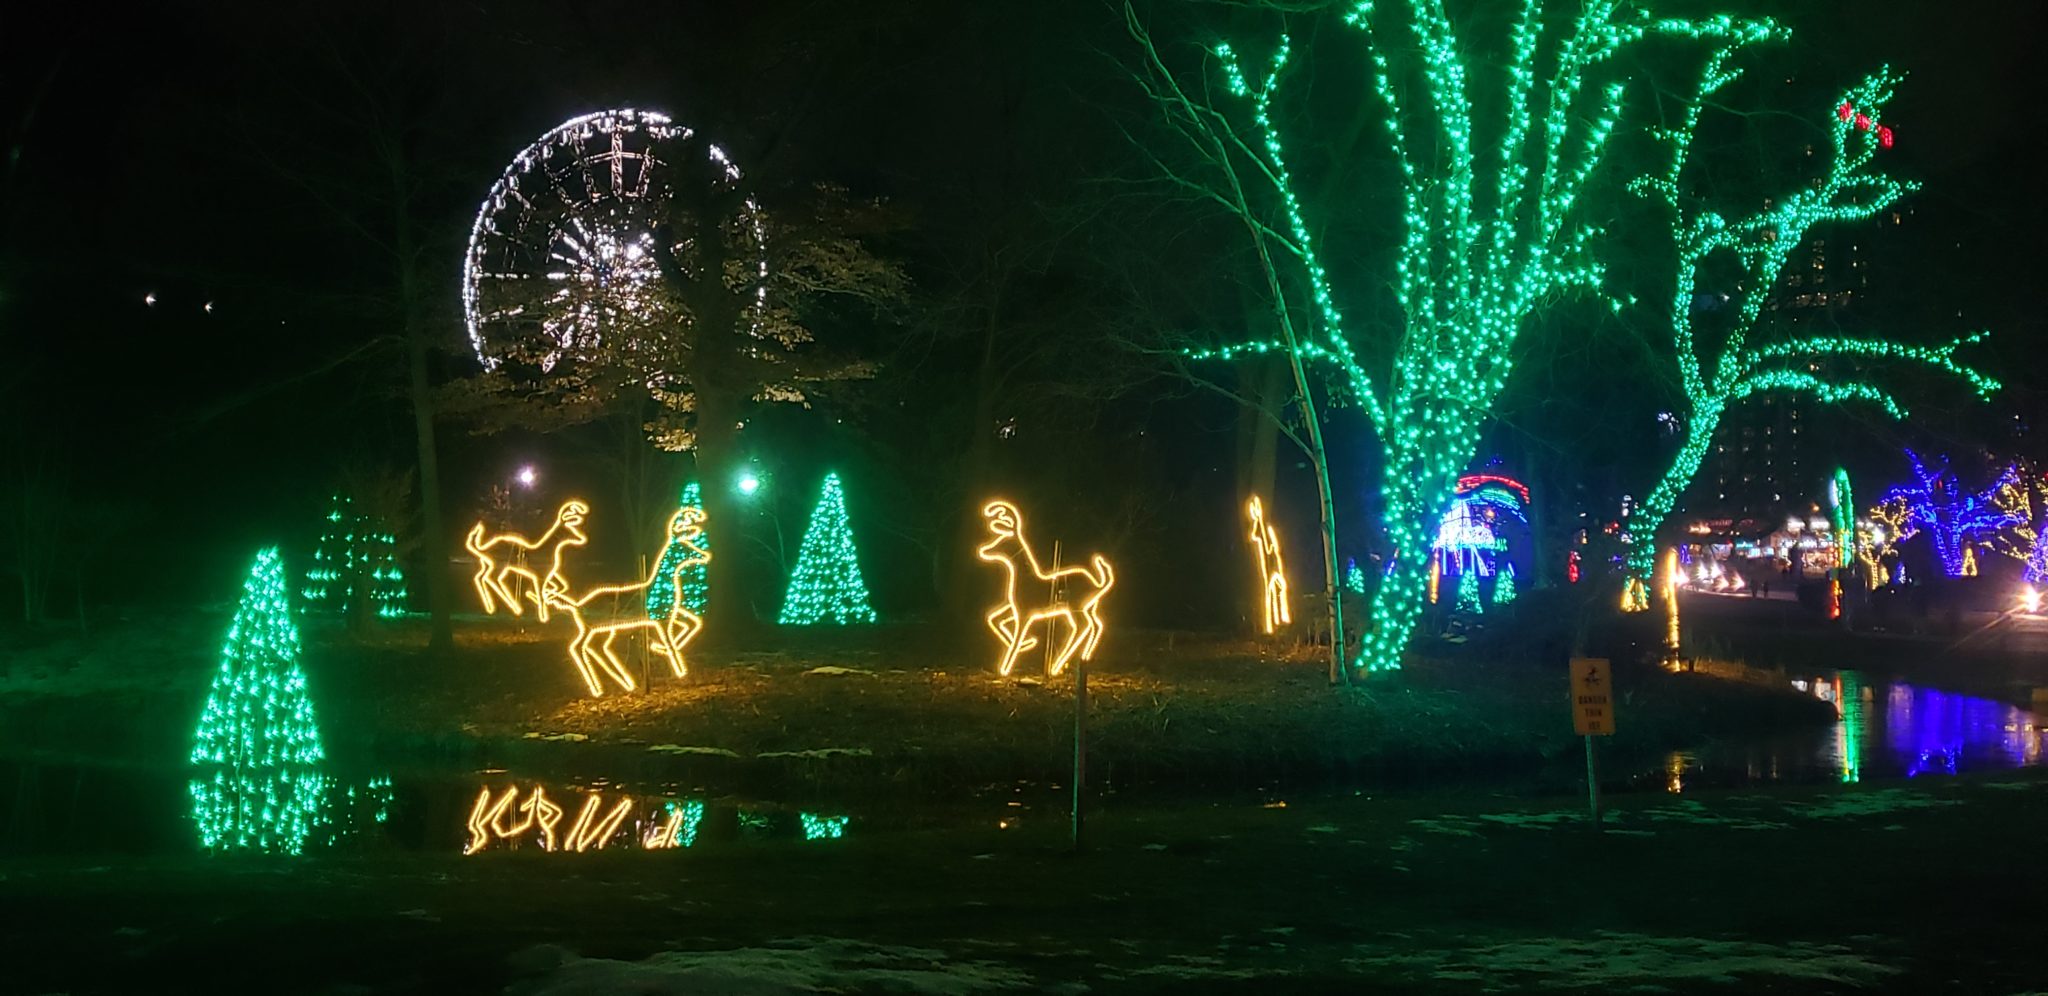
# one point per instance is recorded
(257, 751)
(1762, 242)
(826, 586)
(1491, 232)
(355, 567)
(661, 592)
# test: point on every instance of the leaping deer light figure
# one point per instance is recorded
(1272, 574)
(604, 612)
(1011, 622)
(493, 577)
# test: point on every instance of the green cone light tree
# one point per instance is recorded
(827, 586)
(1853, 189)
(696, 587)
(1491, 231)
(257, 783)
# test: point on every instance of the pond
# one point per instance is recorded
(1887, 730)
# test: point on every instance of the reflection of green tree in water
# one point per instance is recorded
(1849, 732)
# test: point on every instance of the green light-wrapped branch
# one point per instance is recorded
(1853, 189)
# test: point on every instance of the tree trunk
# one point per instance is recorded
(433, 537)
(1649, 515)
(730, 616)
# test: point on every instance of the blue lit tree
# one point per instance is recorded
(1936, 505)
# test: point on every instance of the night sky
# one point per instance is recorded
(217, 155)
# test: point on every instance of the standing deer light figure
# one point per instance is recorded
(603, 612)
(1011, 621)
(1272, 574)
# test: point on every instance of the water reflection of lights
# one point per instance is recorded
(517, 817)
(1915, 730)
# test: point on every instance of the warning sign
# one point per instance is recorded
(1592, 697)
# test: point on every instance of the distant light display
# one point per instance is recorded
(1075, 597)
(257, 784)
(1953, 521)
(826, 586)
(1470, 542)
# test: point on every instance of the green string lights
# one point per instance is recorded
(357, 556)
(696, 584)
(257, 751)
(1490, 235)
(826, 586)
(1853, 189)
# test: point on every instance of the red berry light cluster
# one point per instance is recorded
(1863, 123)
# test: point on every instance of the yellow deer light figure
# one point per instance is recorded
(604, 612)
(494, 574)
(1011, 621)
(1272, 573)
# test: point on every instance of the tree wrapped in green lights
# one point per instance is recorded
(826, 586)
(257, 751)
(1854, 188)
(355, 566)
(1491, 232)
(695, 581)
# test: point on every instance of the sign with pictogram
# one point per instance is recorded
(1592, 697)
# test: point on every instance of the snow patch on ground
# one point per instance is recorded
(800, 965)
(680, 749)
(818, 752)
(834, 669)
(1639, 962)
(1849, 804)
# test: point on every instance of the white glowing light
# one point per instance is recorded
(149, 299)
(527, 476)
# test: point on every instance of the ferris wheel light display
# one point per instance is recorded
(564, 251)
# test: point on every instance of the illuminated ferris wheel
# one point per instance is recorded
(564, 254)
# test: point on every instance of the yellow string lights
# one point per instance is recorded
(1272, 573)
(1076, 593)
(487, 819)
(601, 613)
(1668, 589)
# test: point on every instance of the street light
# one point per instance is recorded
(748, 483)
(527, 476)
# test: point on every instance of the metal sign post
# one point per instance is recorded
(1592, 716)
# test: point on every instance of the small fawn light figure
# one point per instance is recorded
(495, 576)
(1011, 621)
(1272, 573)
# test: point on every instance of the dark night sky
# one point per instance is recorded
(212, 153)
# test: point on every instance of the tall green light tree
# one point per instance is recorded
(1491, 231)
(1761, 243)
(257, 781)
